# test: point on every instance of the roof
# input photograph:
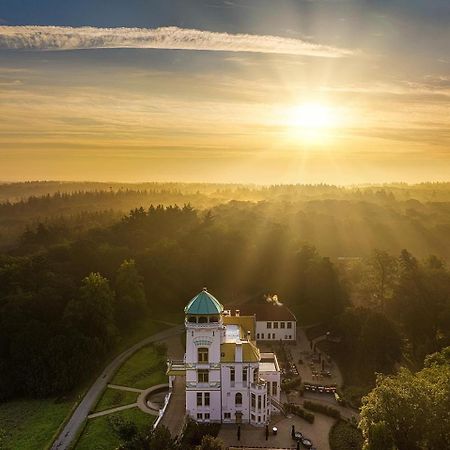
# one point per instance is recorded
(204, 303)
(265, 311)
(246, 323)
(250, 352)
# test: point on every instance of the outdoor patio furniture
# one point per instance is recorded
(298, 436)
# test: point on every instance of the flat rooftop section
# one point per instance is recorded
(269, 362)
(267, 367)
(232, 333)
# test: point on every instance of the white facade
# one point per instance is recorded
(227, 379)
(284, 330)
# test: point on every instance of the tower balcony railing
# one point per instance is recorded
(202, 324)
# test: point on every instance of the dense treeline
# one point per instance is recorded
(338, 221)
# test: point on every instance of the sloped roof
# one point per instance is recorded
(250, 353)
(204, 303)
(265, 311)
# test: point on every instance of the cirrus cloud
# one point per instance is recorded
(69, 38)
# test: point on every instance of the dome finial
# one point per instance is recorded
(205, 289)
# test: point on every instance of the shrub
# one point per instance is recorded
(345, 436)
(289, 385)
(194, 433)
(324, 409)
(299, 411)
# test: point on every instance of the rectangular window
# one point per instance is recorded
(274, 388)
(203, 376)
(199, 399)
(262, 335)
(259, 402)
(290, 337)
(282, 324)
(257, 335)
(269, 324)
(273, 335)
(253, 417)
(275, 324)
(253, 401)
(202, 355)
(206, 398)
(244, 374)
(227, 416)
(199, 416)
(207, 416)
(232, 374)
(289, 324)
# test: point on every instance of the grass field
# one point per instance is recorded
(99, 433)
(31, 424)
(112, 398)
(144, 369)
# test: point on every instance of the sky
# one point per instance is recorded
(258, 91)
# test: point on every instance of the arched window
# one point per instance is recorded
(202, 355)
(238, 399)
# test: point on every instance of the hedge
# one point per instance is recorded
(299, 411)
(324, 409)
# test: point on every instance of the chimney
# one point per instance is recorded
(238, 350)
(238, 312)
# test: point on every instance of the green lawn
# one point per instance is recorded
(31, 424)
(112, 398)
(144, 369)
(99, 434)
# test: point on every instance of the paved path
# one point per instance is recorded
(111, 410)
(173, 417)
(124, 388)
(81, 412)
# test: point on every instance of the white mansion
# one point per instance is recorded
(227, 379)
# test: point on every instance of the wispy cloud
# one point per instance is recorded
(68, 38)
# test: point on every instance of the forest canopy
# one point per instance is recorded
(78, 277)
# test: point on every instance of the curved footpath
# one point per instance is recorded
(81, 412)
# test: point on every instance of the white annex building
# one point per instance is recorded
(274, 320)
(227, 378)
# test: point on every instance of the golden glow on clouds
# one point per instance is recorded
(256, 124)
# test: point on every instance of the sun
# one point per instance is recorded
(311, 116)
(310, 122)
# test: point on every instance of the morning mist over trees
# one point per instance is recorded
(224, 224)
